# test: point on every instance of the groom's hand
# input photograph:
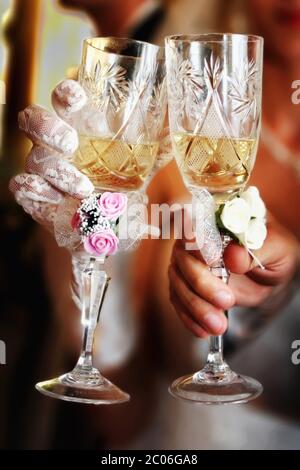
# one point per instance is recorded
(200, 298)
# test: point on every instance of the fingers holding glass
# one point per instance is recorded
(201, 280)
(68, 98)
(44, 128)
(206, 315)
(185, 317)
(34, 187)
(59, 172)
(37, 197)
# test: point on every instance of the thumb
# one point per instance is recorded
(278, 255)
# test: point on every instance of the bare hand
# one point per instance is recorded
(200, 298)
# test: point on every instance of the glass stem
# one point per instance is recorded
(215, 354)
(93, 282)
(216, 368)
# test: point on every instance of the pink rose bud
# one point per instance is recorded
(75, 222)
(112, 204)
(103, 242)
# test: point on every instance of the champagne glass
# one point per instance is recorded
(119, 129)
(214, 86)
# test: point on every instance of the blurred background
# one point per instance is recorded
(141, 345)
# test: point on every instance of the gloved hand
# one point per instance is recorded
(49, 173)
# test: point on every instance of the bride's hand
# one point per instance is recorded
(49, 173)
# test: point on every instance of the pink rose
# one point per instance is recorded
(99, 243)
(112, 204)
(75, 222)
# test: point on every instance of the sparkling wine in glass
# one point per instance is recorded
(219, 164)
(112, 164)
(121, 125)
(119, 130)
(214, 92)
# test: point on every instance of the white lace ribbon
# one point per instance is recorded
(65, 235)
(208, 237)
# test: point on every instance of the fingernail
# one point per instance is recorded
(223, 298)
(213, 322)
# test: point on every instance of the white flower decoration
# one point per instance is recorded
(255, 234)
(255, 202)
(236, 215)
(244, 217)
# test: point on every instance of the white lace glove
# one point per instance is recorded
(49, 173)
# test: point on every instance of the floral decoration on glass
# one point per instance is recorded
(243, 218)
(97, 220)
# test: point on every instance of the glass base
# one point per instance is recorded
(96, 390)
(208, 389)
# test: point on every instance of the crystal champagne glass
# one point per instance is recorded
(119, 129)
(214, 86)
